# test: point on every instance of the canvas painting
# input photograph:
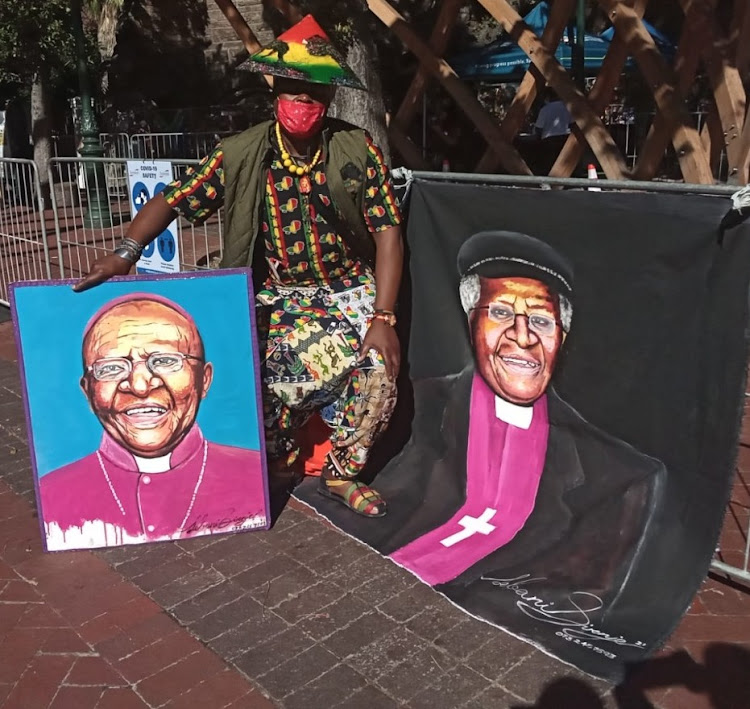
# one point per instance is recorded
(568, 422)
(143, 408)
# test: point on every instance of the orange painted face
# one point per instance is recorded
(145, 376)
(516, 333)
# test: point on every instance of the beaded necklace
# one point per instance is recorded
(288, 162)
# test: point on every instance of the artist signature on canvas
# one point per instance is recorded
(574, 619)
(231, 522)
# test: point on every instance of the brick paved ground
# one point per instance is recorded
(305, 614)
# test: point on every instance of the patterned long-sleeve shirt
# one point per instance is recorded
(302, 243)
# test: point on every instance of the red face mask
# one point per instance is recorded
(300, 119)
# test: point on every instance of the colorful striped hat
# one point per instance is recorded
(305, 52)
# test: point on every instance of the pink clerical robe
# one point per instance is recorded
(103, 499)
(503, 468)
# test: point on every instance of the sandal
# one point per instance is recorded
(355, 495)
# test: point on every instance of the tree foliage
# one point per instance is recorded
(36, 39)
(34, 36)
(105, 15)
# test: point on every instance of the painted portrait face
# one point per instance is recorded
(516, 334)
(145, 376)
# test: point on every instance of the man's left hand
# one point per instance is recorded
(382, 338)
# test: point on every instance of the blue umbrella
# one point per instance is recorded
(504, 60)
(665, 45)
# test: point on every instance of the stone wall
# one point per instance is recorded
(222, 37)
(175, 60)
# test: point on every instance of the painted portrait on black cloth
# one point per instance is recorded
(533, 466)
(573, 426)
(505, 498)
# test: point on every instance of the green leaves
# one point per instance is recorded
(35, 37)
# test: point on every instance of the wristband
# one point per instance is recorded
(385, 316)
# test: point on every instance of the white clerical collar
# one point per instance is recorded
(513, 414)
(153, 465)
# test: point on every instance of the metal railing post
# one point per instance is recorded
(25, 253)
(56, 219)
(42, 220)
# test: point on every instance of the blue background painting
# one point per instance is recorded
(51, 321)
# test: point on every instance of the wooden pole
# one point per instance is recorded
(686, 63)
(442, 71)
(532, 83)
(606, 82)
(601, 142)
(438, 42)
(405, 146)
(693, 160)
(742, 32)
(729, 92)
(743, 66)
(245, 34)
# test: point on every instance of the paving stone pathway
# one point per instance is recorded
(300, 617)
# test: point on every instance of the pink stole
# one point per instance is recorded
(504, 465)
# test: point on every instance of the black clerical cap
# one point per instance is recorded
(505, 254)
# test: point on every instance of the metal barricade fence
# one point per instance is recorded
(116, 145)
(144, 146)
(24, 251)
(160, 146)
(92, 212)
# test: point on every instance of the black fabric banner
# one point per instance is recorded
(643, 418)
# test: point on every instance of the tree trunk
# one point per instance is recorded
(364, 109)
(41, 133)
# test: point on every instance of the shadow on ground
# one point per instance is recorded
(566, 692)
(281, 483)
(723, 679)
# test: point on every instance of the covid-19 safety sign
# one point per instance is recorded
(145, 181)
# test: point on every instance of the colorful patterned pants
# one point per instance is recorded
(312, 337)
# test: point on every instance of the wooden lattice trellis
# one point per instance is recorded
(725, 56)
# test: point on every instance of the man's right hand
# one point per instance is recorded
(102, 270)
(151, 221)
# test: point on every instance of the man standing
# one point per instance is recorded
(553, 128)
(309, 204)
(154, 476)
(554, 118)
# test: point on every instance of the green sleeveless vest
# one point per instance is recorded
(248, 155)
